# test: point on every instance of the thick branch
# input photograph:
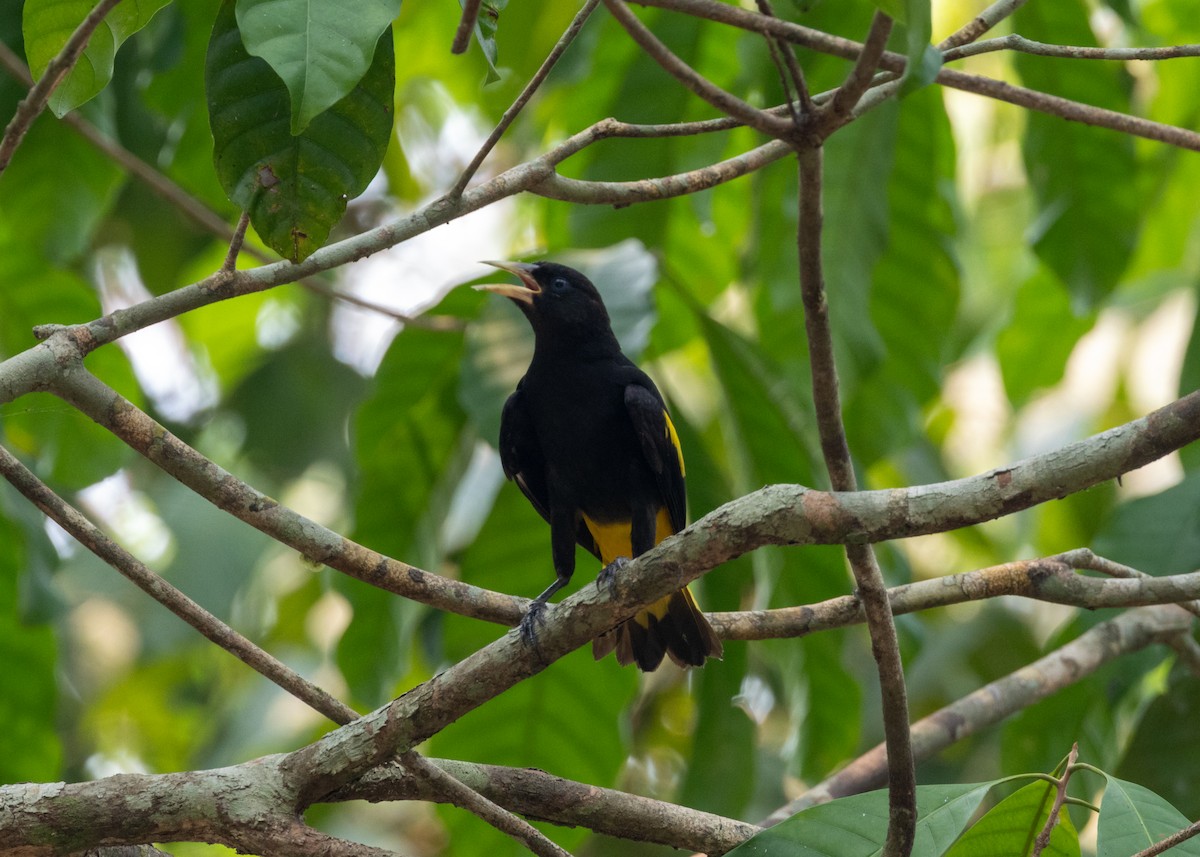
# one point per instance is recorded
(540, 795)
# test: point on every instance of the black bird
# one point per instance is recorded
(587, 438)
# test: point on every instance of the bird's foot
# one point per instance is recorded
(607, 578)
(534, 616)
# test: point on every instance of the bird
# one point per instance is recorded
(587, 438)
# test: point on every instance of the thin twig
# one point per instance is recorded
(35, 102)
(436, 322)
(789, 71)
(902, 785)
(235, 244)
(863, 72)
(515, 108)
(1014, 42)
(1060, 795)
(1171, 841)
(728, 13)
(981, 23)
(466, 26)
(726, 102)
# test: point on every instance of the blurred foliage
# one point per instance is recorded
(999, 283)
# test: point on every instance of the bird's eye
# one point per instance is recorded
(559, 285)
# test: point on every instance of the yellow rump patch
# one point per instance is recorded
(613, 538)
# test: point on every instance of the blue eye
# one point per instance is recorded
(559, 285)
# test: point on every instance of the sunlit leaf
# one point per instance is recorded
(295, 187)
(1013, 826)
(48, 24)
(319, 51)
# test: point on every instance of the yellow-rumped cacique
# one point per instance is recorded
(587, 438)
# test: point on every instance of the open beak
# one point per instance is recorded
(525, 293)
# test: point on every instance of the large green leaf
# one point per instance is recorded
(1033, 348)
(857, 826)
(54, 221)
(294, 187)
(1159, 534)
(1132, 818)
(1087, 223)
(915, 285)
(1152, 757)
(48, 24)
(319, 50)
(1013, 825)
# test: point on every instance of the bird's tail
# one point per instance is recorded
(673, 626)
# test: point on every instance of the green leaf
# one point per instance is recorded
(319, 50)
(1132, 818)
(1013, 825)
(1033, 348)
(295, 187)
(1087, 223)
(915, 285)
(857, 826)
(858, 161)
(1152, 757)
(53, 221)
(916, 27)
(486, 26)
(1159, 534)
(47, 26)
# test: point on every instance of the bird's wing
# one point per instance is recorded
(660, 447)
(523, 462)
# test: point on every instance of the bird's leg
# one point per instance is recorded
(562, 550)
(607, 578)
(536, 614)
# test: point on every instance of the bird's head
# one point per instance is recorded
(561, 304)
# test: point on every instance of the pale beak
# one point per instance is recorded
(524, 293)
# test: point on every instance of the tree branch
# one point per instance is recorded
(995, 701)
(902, 783)
(541, 795)
(466, 25)
(1064, 108)
(1015, 42)
(527, 93)
(863, 72)
(35, 102)
(981, 23)
(726, 102)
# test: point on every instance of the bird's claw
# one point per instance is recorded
(534, 616)
(608, 575)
